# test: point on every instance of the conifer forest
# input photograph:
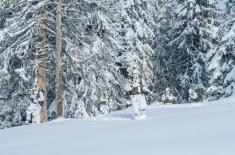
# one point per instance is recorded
(74, 56)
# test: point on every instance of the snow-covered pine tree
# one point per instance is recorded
(45, 27)
(20, 47)
(164, 19)
(191, 38)
(136, 35)
(167, 40)
(17, 60)
(222, 58)
(91, 78)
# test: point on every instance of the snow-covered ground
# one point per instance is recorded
(189, 129)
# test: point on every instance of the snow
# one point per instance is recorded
(3, 70)
(1, 35)
(221, 4)
(34, 109)
(41, 96)
(231, 75)
(230, 34)
(21, 72)
(186, 129)
(192, 94)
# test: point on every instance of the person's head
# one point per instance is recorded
(168, 89)
(135, 73)
(190, 90)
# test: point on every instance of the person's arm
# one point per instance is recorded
(128, 87)
(144, 87)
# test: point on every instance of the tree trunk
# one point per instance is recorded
(58, 87)
(42, 60)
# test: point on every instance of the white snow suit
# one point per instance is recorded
(136, 88)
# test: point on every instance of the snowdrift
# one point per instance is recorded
(188, 129)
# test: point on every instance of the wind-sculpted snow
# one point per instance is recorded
(187, 129)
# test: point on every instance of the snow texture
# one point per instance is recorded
(186, 129)
(33, 113)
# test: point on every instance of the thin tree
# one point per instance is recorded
(58, 87)
(42, 59)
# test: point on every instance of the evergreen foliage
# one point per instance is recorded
(222, 58)
(180, 44)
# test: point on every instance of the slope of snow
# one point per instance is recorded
(189, 129)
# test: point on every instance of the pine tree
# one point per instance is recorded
(137, 35)
(191, 38)
(222, 58)
(17, 55)
(164, 68)
(177, 44)
(21, 49)
(91, 78)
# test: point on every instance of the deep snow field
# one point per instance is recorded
(186, 129)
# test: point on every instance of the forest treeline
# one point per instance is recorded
(79, 53)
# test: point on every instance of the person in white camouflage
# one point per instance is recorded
(137, 89)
